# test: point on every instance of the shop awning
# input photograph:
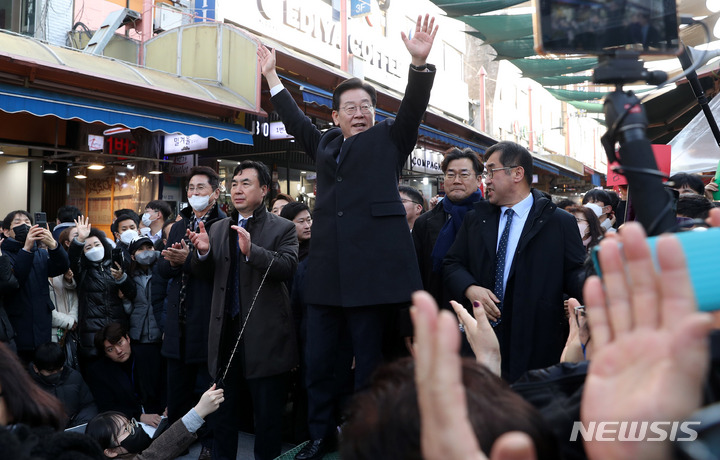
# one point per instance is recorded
(312, 94)
(15, 99)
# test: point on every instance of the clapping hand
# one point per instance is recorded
(177, 253)
(200, 239)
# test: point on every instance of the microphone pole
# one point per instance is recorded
(697, 89)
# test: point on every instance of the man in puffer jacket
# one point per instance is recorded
(64, 383)
(100, 284)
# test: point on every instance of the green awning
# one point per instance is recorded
(514, 49)
(455, 8)
(568, 95)
(563, 80)
(551, 67)
(499, 27)
(592, 107)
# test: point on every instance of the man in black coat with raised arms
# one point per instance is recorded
(362, 265)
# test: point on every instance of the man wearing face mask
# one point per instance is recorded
(187, 316)
(126, 230)
(30, 308)
(156, 213)
(66, 384)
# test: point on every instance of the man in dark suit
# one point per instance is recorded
(462, 169)
(514, 256)
(250, 257)
(361, 268)
(188, 318)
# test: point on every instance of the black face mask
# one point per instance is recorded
(136, 442)
(21, 232)
(52, 379)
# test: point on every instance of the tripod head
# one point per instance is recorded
(626, 124)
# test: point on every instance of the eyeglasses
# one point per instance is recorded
(405, 200)
(451, 175)
(364, 109)
(580, 317)
(489, 173)
(199, 189)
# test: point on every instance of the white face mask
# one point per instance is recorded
(127, 236)
(198, 202)
(95, 254)
(606, 224)
(145, 231)
(146, 219)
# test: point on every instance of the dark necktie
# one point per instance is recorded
(500, 262)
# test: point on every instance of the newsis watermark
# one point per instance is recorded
(634, 431)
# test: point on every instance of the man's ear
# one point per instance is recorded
(336, 118)
(519, 174)
(110, 453)
(36, 369)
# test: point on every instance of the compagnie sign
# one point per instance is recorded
(308, 25)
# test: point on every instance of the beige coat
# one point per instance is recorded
(64, 296)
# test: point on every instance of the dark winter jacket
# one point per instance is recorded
(73, 392)
(8, 285)
(147, 317)
(186, 326)
(97, 290)
(30, 308)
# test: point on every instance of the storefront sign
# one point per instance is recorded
(308, 25)
(277, 131)
(120, 146)
(181, 165)
(426, 161)
(95, 142)
(178, 143)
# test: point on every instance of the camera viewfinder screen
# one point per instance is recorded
(601, 27)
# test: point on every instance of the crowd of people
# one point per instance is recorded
(301, 324)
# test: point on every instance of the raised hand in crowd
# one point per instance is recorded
(210, 401)
(267, 61)
(41, 235)
(83, 226)
(578, 338)
(421, 43)
(710, 189)
(445, 430)
(116, 271)
(651, 352)
(200, 239)
(177, 253)
(480, 335)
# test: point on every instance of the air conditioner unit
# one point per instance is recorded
(167, 17)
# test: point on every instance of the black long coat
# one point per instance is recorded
(548, 262)
(188, 326)
(361, 251)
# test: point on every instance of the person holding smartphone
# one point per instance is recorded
(30, 308)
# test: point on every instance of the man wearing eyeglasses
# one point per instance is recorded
(435, 231)
(412, 200)
(361, 268)
(185, 342)
(514, 257)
